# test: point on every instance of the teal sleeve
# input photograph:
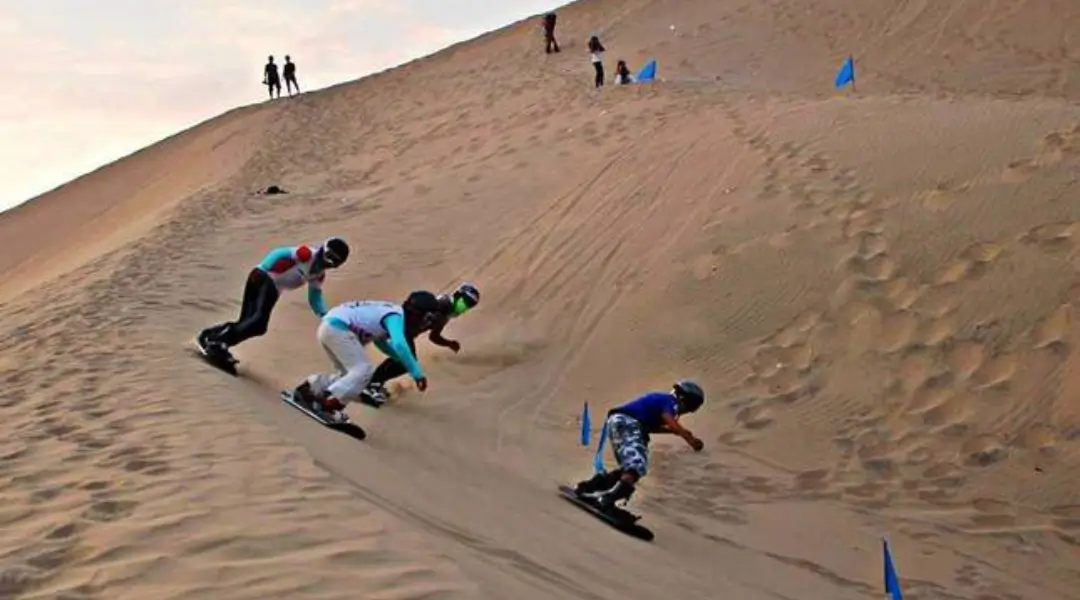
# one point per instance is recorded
(315, 299)
(399, 345)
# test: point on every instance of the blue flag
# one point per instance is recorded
(586, 426)
(598, 458)
(892, 582)
(846, 74)
(647, 72)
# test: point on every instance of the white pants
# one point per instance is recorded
(349, 357)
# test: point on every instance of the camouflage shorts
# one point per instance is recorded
(629, 444)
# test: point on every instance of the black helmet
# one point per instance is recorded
(689, 394)
(421, 301)
(469, 292)
(335, 252)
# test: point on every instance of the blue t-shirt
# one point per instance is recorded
(649, 409)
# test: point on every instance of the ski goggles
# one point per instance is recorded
(461, 305)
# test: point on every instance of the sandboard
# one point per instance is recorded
(618, 518)
(348, 427)
(222, 363)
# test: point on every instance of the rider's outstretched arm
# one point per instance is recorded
(672, 425)
(436, 335)
(315, 296)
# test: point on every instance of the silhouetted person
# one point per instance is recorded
(290, 75)
(549, 34)
(271, 79)
(596, 51)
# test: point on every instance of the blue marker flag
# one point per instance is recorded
(846, 74)
(586, 426)
(892, 582)
(647, 72)
(598, 458)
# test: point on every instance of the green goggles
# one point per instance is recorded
(461, 306)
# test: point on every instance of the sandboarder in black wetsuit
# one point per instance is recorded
(466, 297)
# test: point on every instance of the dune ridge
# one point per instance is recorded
(878, 290)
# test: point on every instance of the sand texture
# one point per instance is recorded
(879, 290)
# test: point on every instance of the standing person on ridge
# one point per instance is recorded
(630, 426)
(345, 332)
(271, 79)
(290, 75)
(284, 268)
(451, 306)
(549, 33)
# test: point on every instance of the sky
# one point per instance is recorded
(86, 88)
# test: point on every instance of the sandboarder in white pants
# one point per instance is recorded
(349, 357)
(344, 334)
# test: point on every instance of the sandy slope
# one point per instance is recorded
(878, 291)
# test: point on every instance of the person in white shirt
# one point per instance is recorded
(344, 334)
(596, 52)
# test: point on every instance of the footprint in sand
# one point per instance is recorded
(805, 322)
(784, 385)
(951, 412)
(812, 481)
(1057, 145)
(63, 532)
(983, 450)
(982, 252)
(941, 406)
(1019, 171)
(993, 513)
(902, 293)
(767, 361)
(1052, 331)
(1052, 236)
(871, 245)
(878, 269)
(754, 417)
(917, 366)
(1039, 437)
(863, 221)
(954, 272)
(997, 371)
(109, 510)
(816, 164)
(936, 332)
(964, 358)
(919, 455)
(941, 196)
(897, 332)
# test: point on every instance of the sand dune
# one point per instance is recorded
(878, 290)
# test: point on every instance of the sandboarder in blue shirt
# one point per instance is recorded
(630, 427)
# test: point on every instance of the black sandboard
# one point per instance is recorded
(223, 363)
(618, 518)
(348, 427)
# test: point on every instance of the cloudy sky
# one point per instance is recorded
(89, 81)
